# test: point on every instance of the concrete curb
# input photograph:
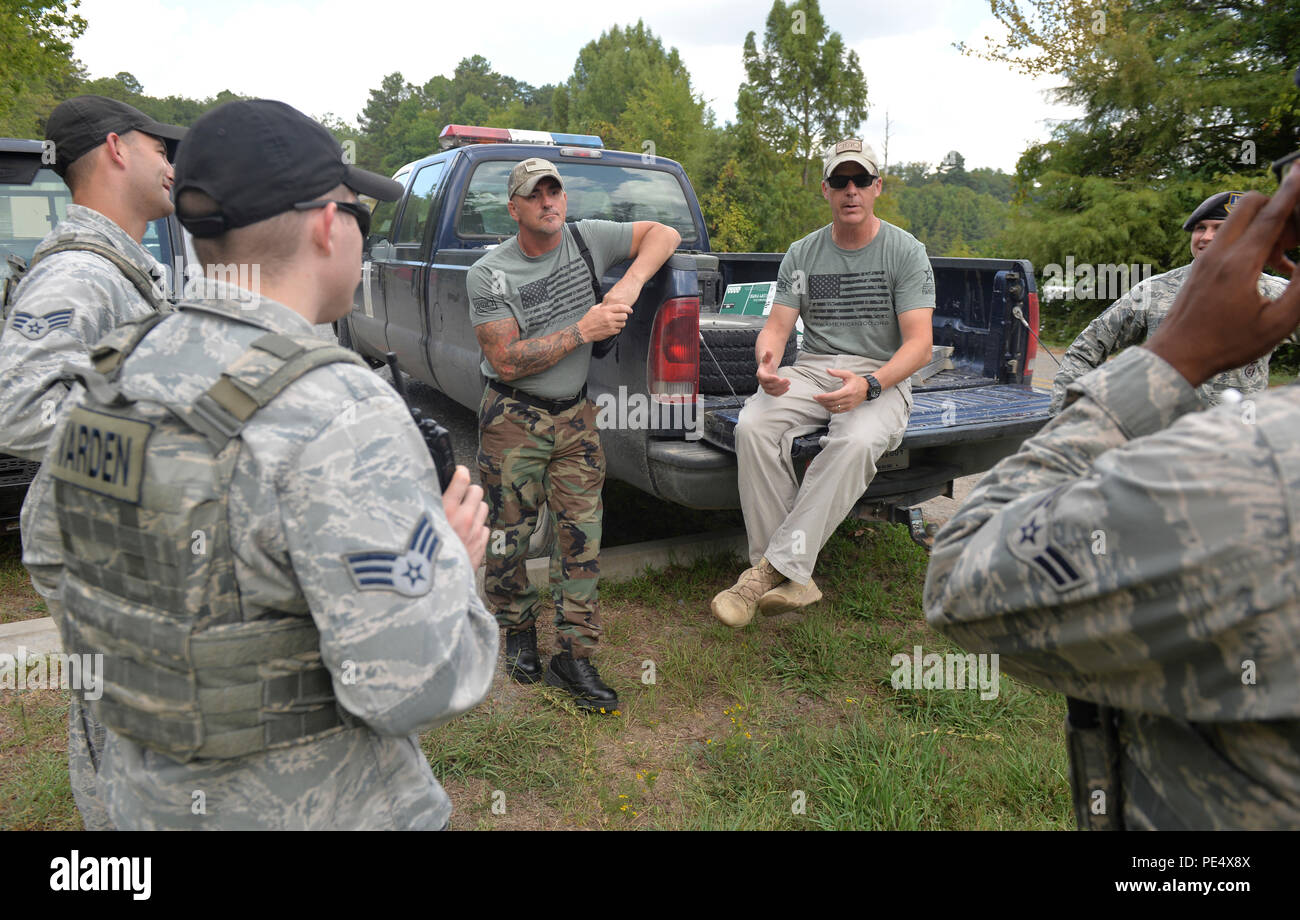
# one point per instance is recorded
(35, 637)
(620, 563)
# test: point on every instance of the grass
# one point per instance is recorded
(789, 724)
(18, 601)
(34, 789)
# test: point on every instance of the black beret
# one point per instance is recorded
(1216, 207)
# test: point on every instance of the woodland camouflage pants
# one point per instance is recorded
(528, 456)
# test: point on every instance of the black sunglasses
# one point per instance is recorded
(355, 208)
(861, 180)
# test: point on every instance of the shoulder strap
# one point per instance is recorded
(256, 377)
(586, 257)
(142, 280)
(17, 268)
(106, 359)
(108, 354)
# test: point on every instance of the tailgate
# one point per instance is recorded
(938, 418)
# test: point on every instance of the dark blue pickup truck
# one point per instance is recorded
(674, 383)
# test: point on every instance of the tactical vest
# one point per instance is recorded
(149, 579)
(143, 282)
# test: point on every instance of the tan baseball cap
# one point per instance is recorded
(526, 174)
(850, 150)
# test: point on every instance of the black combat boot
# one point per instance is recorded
(579, 677)
(522, 662)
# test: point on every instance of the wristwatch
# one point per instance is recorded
(873, 388)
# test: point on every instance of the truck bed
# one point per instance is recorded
(946, 414)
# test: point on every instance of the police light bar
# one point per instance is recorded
(462, 135)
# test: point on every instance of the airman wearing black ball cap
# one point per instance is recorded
(260, 552)
(89, 275)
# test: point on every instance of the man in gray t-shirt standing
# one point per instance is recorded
(865, 291)
(531, 305)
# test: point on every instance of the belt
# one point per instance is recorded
(552, 406)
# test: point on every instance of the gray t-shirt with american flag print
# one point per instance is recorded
(849, 299)
(544, 294)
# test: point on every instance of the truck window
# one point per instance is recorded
(381, 217)
(419, 205)
(600, 192)
(28, 213)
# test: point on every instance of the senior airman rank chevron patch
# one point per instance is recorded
(36, 327)
(409, 572)
(1031, 543)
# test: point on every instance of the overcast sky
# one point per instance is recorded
(325, 55)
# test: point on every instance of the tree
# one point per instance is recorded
(1180, 99)
(401, 122)
(393, 90)
(613, 70)
(1048, 36)
(913, 173)
(1169, 88)
(952, 169)
(36, 66)
(803, 89)
(174, 110)
(129, 83)
(950, 219)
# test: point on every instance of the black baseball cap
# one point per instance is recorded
(257, 158)
(80, 124)
(1216, 207)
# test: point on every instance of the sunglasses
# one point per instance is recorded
(355, 208)
(861, 180)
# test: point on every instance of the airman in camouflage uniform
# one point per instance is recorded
(331, 527)
(1136, 316)
(116, 162)
(531, 304)
(1140, 557)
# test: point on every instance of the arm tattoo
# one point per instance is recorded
(513, 357)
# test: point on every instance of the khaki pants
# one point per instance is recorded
(788, 522)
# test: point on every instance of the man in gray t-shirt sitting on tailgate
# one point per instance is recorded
(865, 292)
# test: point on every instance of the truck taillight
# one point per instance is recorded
(675, 351)
(1033, 339)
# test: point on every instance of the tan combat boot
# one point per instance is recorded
(736, 605)
(789, 596)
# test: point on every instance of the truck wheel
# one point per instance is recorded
(727, 354)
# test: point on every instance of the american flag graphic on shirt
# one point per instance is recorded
(850, 299)
(558, 300)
